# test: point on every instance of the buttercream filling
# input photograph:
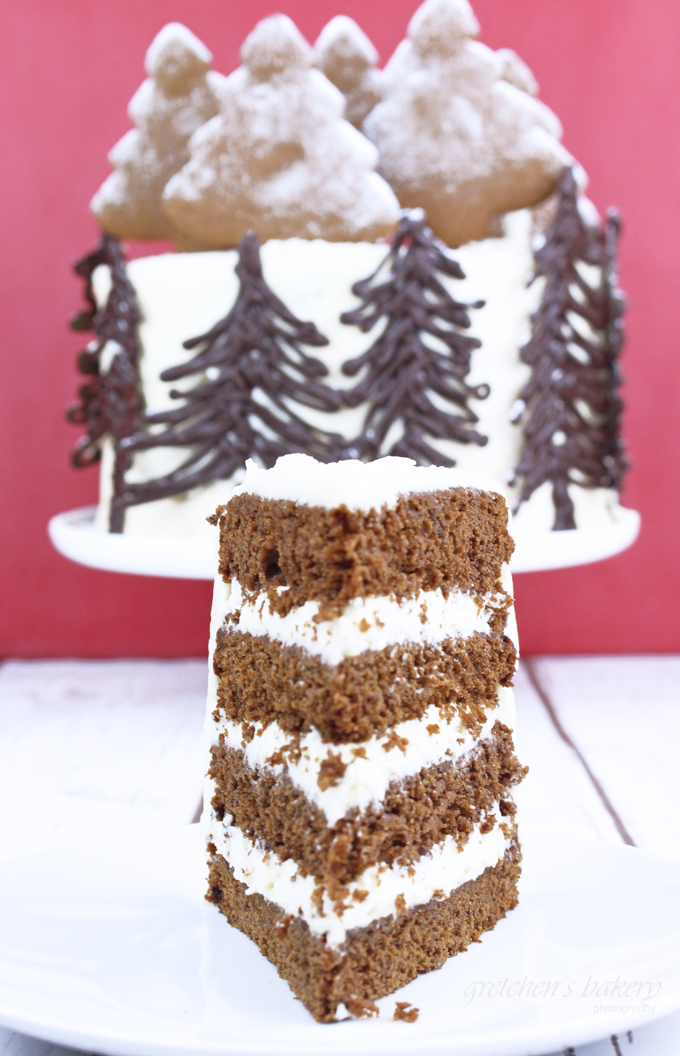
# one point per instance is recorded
(365, 624)
(372, 765)
(380, 891)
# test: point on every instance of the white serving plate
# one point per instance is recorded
(107, 945)
(74, 535)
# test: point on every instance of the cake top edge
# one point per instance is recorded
(357, 485)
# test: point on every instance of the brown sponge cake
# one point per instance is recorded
(360, 821)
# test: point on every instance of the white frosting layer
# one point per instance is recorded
(365, 623)
(436, 874)
(367, 776)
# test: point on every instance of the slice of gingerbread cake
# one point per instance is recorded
(360, 821)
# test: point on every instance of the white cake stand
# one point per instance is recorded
(74, 535)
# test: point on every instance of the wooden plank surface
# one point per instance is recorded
(98, 740)
(624, 714)
(104, 740)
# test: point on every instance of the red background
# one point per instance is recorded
(611, 71)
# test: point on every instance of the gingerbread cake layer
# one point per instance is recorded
(376, 959)
(453, 538)
(447, 799)
(262, 681)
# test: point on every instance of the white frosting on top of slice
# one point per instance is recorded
(352, 483)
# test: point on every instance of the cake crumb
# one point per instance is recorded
(400, 905)
(287, 753)
(359, 753)
(358, 1007)
(360, 895)
(406, 1012)
(432, 729)
(317, 900)
(331, 771)
(364, 625)
(395, 741)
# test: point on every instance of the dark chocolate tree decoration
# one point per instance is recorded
(251, 369)
(405, 370)
(110, 403)
(570, 409)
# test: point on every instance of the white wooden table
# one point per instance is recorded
(100, 741)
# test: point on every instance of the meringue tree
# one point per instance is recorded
(458, 129)
(180, 94)
(346, 56)
(280, 159)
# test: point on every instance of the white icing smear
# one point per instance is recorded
(352, 483)
(365, 623)
(438, 873)
(368, 775)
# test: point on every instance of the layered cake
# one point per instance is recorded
(368, 262)
(360, 821)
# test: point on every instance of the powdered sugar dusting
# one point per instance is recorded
(180, 94)
(279, 158)
(174, 53)
(458, 131)
(346, 56)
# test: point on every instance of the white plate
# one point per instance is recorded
(73, 534)
(108, 946)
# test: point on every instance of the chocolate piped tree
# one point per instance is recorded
(252, 370)
(404, 371)
(110, 403)
(570, 409)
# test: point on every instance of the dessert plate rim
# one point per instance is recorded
(55, 996)
(74, 535)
